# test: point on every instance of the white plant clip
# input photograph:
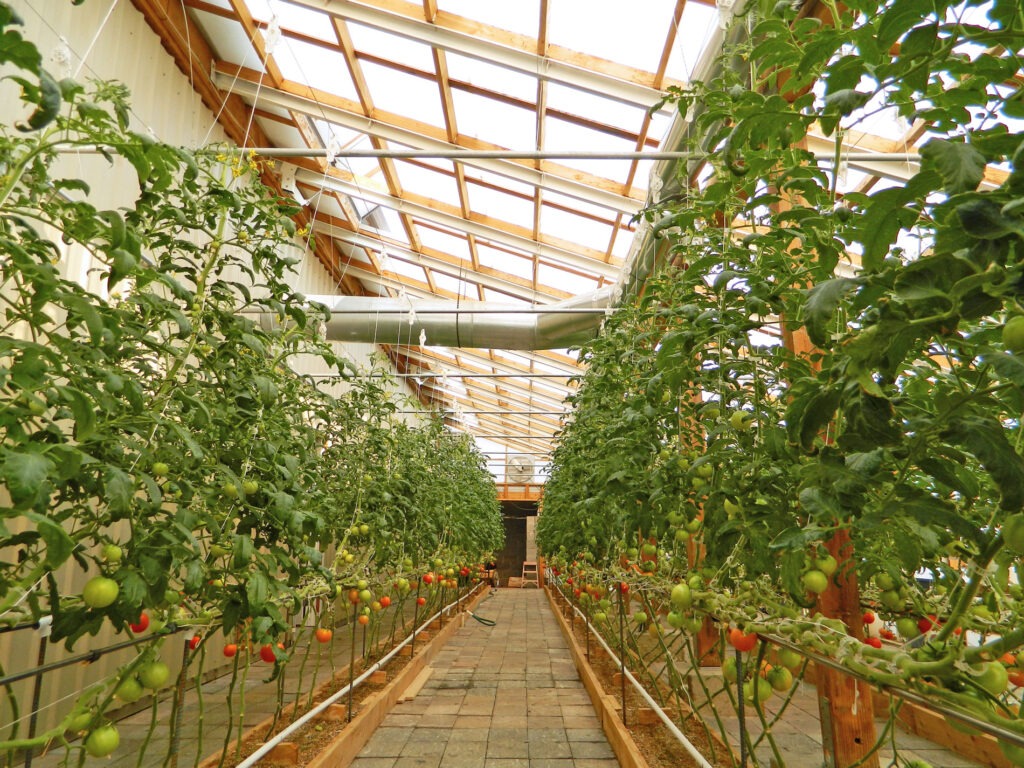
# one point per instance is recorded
(423, 337)
(272, 36)
(45, 626)
(61, 58)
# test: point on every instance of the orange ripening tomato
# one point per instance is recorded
(742, 641)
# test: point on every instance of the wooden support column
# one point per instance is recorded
(844, 703)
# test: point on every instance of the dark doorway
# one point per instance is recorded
(510, 559)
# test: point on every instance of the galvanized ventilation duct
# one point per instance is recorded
(484, 325)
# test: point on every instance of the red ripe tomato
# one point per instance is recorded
(267, 652)
(428, 578)
(886, 634)
(569, 580)
(874, 642)
(140, 625)
(323, 635)
(1016, 678)
(194, 642)
(385, 601)
(741, 641)
(363, 619)
(230, 650)
(926, 623)
(623, 587)
(868, 617)
(421, 601)
(576, 593)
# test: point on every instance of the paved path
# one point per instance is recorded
(506, 696)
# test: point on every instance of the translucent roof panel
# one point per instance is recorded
(441, 240)
(488, 201)
(314, 65)
(384, 45)
(403, 94)
(560, 136)
(522, 16)
(305, 21)
(622, 37)
(493, 121)
(491, 77)
(428, 182)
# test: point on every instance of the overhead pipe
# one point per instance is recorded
(446, 323)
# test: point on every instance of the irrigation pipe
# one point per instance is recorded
(260, 753)
(663, 716)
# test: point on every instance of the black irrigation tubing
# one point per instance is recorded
(16, 627)
(87, 658)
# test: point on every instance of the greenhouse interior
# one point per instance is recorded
(534, 384)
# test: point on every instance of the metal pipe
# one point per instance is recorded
(504, 154)
(481, 325)
(493, 413)
(510, 375)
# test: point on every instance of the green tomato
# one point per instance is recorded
(100, 592)
(112, 553)
(731, 508)
(249, 487)
(885, 582)
(1013, 334)
(640, 617)
(705, 470)
(681, 597)
(102, 741)
(892, 600)
(365, 596)
(1013, 528)
(160, 469)
(741, 421)
(815, 581)
(993, 677)
(757, 689)
(907, 628)
(154, 675)
(729, 669)
(129, 690)
(789, 658)
(827, 564)
(780, 678)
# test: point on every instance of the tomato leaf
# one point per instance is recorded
(821, 304)
(59, 544)
(25, 474)
(257, 590)
(983, 436)
(961, 166)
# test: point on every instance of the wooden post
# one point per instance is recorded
(845, 705)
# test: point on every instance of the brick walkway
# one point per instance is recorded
(506, 696)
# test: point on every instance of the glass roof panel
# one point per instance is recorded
(306, 21)
(593, 107)
(428, 183)
(698, 23)
(403, 94)
(504, 261)
(568, 281)
(401, 267)
(578, 206)
(522, 16)
(601, 27)
(384, 45)
(491, 77)
(490, 202)
(440, 240)
(556, 222)
(460, 287)
(493, 121)
(561, 136)
(315, 66)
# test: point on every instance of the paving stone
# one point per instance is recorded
(591, 749)
(549, 749)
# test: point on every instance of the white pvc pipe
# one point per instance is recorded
(260, 753)
(687, 744)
